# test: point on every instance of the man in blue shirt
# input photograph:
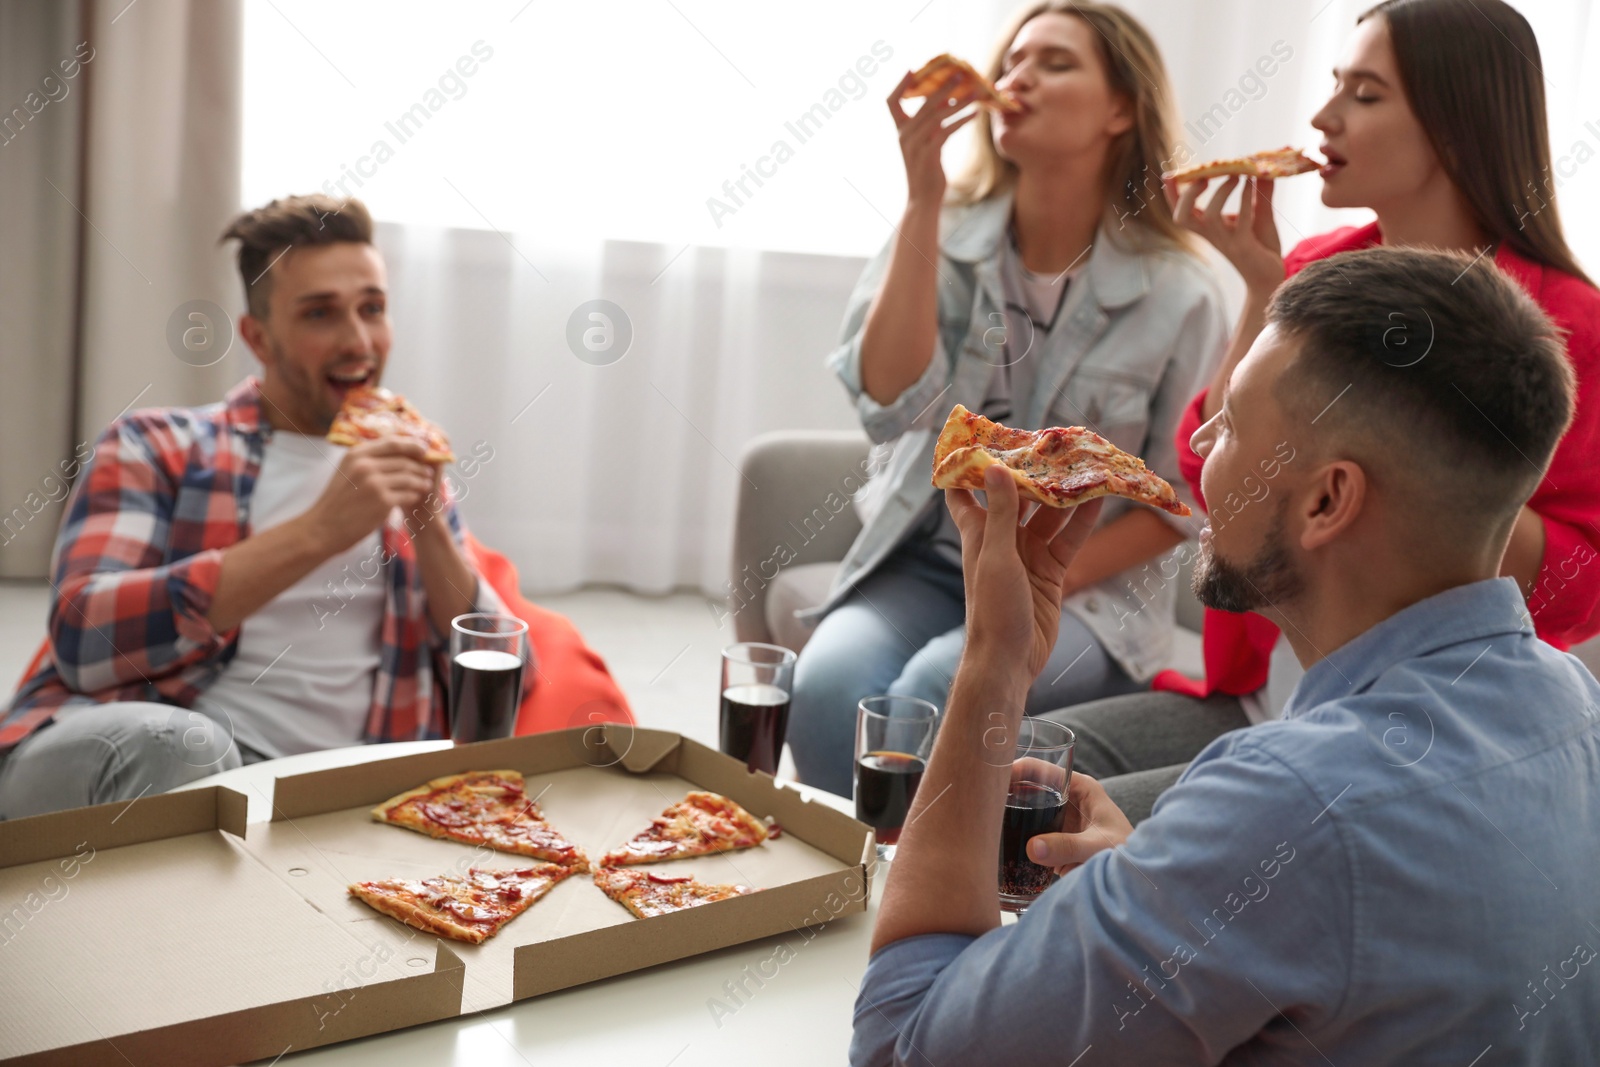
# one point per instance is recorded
(1403, 869)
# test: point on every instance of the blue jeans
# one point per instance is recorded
(901, 632)
(99, 753)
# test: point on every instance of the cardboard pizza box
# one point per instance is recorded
(145, 933)
(598, 786)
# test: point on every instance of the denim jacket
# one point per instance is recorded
(1138, 334)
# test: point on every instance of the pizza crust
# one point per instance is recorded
(381, 812)
(1274, 163)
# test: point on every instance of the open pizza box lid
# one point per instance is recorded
(145, 933)
(158, 932)
(598, 786)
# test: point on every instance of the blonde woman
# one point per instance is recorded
(1047, 286)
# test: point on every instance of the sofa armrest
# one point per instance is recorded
(794, 507)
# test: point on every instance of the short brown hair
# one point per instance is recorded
(267, 232)
(1434, 370)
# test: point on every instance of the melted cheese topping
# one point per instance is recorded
(482, 901)
(699, 824)
(647, 894)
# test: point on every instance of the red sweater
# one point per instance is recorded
(1564, 600)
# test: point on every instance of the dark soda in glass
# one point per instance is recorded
(485, 687)
(755, 719)
(1031, 809)
(886, 783)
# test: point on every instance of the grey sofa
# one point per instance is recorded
(782, 512)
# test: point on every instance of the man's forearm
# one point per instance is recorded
(260, 567)
(449, 582)
(946, 868)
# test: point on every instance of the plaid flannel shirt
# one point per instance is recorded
(137, 562)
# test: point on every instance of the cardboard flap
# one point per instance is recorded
(122, 822)
(369, 784)
(445, 960)
(814, 902)
(642, 751)
(127, 964)
(270, 1030)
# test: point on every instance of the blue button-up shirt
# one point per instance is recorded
(1405, 869)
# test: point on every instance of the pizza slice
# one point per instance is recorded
(1283, 162)
(938, 70)
(482, 808)
(1061, 467)
(698, 825)
(371, 412)
(646, 893)
(471, 908)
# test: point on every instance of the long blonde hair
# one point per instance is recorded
(1134, 70)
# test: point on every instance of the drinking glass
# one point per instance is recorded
(756, 682)
(487, 656)
(1036, 803)
(894, 737)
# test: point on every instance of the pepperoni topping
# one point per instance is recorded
(665, 879)
(450, 813)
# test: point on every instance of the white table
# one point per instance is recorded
(795, 1006)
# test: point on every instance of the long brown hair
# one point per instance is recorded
(1135, 71)
(1471, 71)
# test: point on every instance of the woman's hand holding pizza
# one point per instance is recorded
(1248, 240)
(922, 136)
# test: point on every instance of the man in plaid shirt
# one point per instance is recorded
(229, 586)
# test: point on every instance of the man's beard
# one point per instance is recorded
(309, 406)
(1268, 579)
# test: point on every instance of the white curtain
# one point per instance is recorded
(40, 127)
(162, 162)
(621, 472)
(573, 164)
(118, 167)
(625, 473)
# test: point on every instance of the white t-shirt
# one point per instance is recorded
(301, 677)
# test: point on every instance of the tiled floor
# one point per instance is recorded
(665, 651)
